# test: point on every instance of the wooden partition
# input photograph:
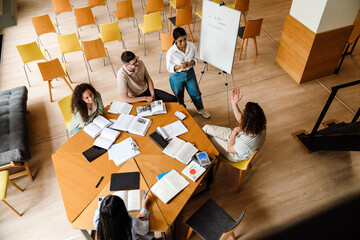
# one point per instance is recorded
(305, 55)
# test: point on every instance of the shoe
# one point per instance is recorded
(204, 113)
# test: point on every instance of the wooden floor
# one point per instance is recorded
(285, 185)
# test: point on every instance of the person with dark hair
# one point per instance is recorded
(135, 83)
(180, 61)
(239, 144)
(112, 220)
(86, 104)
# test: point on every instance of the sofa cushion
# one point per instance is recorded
(13, 126)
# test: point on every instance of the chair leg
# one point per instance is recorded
(15, 185)
(49, 84)
(11, 208)
(240, 174)
(241, 48)
(144, 44)
(255, 46)
(27, 169)
(190, 33)
(87, 69)
(160, 61)
(189, 234)
(27, 77)
(68, 77)
(233, 236)
(244, 14)
(68, 84)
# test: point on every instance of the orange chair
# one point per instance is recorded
(43, 25)
(124, 9)
(61, 6)
(183, 17)
(95, 49)
(251, 30)
(51, 70)
(167, 40)
(178, 4)
(84, 17)
(242, 6)
(155, 6)
(95, 3)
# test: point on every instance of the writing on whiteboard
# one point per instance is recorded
(216, 22)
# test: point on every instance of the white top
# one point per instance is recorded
(246, 145)
(175, 56)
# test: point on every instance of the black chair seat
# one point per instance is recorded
(210, 221)
(241, 32)
(173, 20)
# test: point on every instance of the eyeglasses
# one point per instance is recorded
(136, 61)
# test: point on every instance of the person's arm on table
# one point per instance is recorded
(141, 223)
(232, 138)
(125, 98)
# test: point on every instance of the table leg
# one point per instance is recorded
(86, 234)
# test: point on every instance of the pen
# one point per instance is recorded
(102, 177)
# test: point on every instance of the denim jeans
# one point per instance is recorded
(186, 79)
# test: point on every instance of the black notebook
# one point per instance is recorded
(93, 153)
(158, 139)
(124, 181)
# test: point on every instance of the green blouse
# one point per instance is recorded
(77, 120)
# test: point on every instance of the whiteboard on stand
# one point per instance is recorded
(219, 32)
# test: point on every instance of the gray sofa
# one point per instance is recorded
(14, 148)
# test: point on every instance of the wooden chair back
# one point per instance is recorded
(242, 5)
(30, 52)
(43, 24)
(124, 9)
(182, 3)
(61, 6)
(184, 16)
(167, 40)
(95, 3)
(152, 22)
(253, 28)
(94, 49)
(110, 32)
(84, 16)
(230, 232)
(154, 6)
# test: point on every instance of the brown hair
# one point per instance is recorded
(77, 103)
(253, 120)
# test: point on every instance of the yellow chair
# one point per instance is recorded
(242, 6)
(61, 6)
(43, 25)
(110, 32)
(51, 70)
(199, 13)
(96, 3)
(251, 30)
(178, 4)
(84, 17)
(65, 108)
(152, 23)
(167, 40)
(183, 17)
(124, 9)
(94, 49)
(31, 52)
(242, 165)
(155, 6)
(4, 179)
(69, 43)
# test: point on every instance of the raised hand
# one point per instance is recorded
(236, 97)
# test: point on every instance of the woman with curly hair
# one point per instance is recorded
(112, 220)
(86, 104)
(239, 144)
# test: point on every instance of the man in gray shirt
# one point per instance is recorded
(135, 83)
